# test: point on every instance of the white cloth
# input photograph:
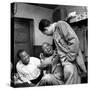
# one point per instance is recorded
(30, 71)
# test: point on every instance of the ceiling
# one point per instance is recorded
(49, 6)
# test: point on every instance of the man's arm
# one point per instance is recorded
(71, 47)
(21, 75)
(23, 79)
(46, 62)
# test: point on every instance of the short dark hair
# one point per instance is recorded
(18, 53)
(46, 43)
(43, 23)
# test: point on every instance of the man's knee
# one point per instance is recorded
(69, 69)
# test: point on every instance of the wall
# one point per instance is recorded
(37, 13)
(78, 9)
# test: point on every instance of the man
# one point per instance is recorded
(51, 65)
(67, 45)
(27, 68)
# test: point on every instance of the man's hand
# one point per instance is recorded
(41, 56)
(30, 83)
(40, 67)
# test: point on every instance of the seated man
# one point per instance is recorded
(51, 63)
(27, 68)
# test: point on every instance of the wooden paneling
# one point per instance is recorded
(37, 51)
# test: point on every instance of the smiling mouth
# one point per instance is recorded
(49, 50)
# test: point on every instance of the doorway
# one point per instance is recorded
(23, 37)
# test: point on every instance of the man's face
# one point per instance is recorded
(24, 57)
(48, 30)
(47, 49)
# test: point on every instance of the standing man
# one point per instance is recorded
(67, 45)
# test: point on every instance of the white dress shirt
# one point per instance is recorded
(30, 71)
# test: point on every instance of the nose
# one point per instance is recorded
(47, 48)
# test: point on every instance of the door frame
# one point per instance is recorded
(31, 34)
(12, 37)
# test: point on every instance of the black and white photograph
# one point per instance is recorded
(49, 44)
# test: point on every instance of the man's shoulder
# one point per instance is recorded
(34, 60)
(18, 65)
(61, 22)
